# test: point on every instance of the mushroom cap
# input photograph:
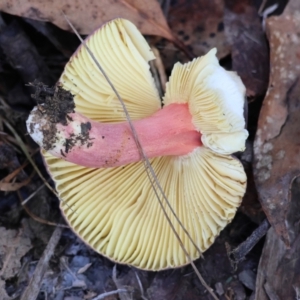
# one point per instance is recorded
(115, 210)
(124, 54)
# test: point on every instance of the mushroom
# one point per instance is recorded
(106, 196)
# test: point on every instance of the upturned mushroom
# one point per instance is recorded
(91, 153)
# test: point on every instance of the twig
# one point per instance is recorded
(266, 13)
(102, 296)
(238, 254)
(33, 289)
(32, 195)
(140, 286)
(119, 285)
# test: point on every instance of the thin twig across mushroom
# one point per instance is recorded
(108, 199)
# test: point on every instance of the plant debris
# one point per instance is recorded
(276, 147)
(199, 25)
(89, 15)
(55, 102)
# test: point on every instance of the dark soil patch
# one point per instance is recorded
(55, 102)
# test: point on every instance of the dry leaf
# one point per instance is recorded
(13, 246)
(14, 186)
(7, 186)
(250, 54)
(88, 15)
(276, 148)
(197, 24)
(278, 271)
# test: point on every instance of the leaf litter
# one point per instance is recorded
(14, 245)
(197, 24)
(276, 158)
(182, 283)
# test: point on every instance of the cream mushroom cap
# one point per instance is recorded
(115, 210)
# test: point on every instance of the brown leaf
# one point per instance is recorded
(250, 54)
(14, 186)
(13, 246)
(88, 15)
(276, 148)
(278, 272)
(199, 25)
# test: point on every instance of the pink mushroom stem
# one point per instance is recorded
(169, 131)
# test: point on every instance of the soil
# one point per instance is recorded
(55, 102)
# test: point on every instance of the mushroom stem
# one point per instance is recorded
(84, 142)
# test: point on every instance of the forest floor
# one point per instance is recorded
(257, 39)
